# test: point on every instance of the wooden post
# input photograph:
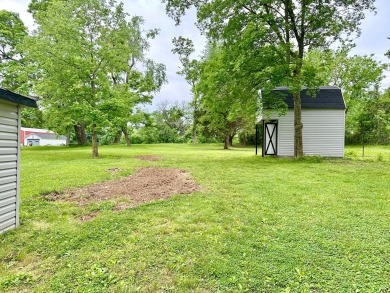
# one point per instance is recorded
(263, 141)
(257, 136)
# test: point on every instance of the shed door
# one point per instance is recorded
(33, 142)
(270, 138)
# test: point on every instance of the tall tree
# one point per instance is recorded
(13, 73)
(358, 76)
(226, 102)
(12, 33)
(85, 53)
(39, 5)
(172, 120)
(190, 70)
(289, 27)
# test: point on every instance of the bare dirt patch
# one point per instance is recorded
(147, 184)
(89, 217)
(150, 158)
(114, 170)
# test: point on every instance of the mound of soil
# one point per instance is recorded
(146, 185)
(150, 158)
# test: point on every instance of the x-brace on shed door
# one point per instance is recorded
(270, 135)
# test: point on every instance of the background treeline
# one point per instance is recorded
(94, 82)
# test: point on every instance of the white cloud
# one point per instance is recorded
(153, 11)
(374, 37)
(19, 6)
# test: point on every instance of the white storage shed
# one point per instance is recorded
(10, 108)
(323, 119)
(44, 139)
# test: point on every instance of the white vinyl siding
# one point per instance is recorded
(43, 141)
(323, 132)
(285, 147)
(9, 166)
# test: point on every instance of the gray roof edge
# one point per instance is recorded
(47, 136)
(325, 87)
(322, 100)
(13, 97)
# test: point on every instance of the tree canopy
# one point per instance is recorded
(184, 47)
(289, 28)
(90, 63)
(225, 101)
(12, 33)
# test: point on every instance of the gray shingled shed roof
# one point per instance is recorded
(17, 98)
(46, 136)
(327, 97)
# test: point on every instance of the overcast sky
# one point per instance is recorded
(374, 38)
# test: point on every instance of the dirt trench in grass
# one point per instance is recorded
(145, 185)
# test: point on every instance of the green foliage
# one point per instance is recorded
(39, 5)
(12, 67)
(170, 123)
(359, 78)
(16, 280)
(184, 48)
(191, 72)
(227, 104)
(285, 30)
(298, 225)
(32, 117)
(370, 123)
(90, 64)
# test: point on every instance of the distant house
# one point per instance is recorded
(323, 118)
(44, 139)
(41, 137)
(10, 108)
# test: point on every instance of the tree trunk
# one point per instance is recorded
(195, 117)
(68, 138)
(80, 134)
(231, 140)
(127, 137)
(298, 126)
(95, 152)
(226, 142)
(118, 137)
(194, 135)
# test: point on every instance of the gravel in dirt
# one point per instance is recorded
(147, 184)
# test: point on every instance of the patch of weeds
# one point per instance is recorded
(106, 205)
(89, 217)
(380, 157)
(51, 195)
(350, 154)
(98, 276)
(40, 225)
(16, 280)
(94, 209)
(311, 159)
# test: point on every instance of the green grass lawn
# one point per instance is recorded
(258, 225)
